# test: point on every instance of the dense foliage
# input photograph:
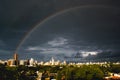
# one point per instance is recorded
(83, 72)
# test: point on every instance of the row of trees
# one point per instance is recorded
(81, 73)
(84, 72)
(17, 73)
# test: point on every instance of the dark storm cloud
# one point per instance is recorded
(106, 56)
(87, 29)
(18, 17)
(93, 26)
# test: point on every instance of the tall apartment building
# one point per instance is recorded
(15, 57)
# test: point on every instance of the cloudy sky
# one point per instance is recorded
(45, 28)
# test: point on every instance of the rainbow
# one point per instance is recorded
(52, 16)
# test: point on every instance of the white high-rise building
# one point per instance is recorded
(64, 62)
(52, 61)
(22, 62)
(31, 62)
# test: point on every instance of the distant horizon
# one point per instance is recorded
(85, 59)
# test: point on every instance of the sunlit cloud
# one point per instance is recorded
(34, 48)
(51, 50)
(60, 41)
(61, 45)
(86, 54)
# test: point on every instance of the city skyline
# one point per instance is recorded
(73, 60)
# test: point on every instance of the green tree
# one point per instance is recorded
(88, 73)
